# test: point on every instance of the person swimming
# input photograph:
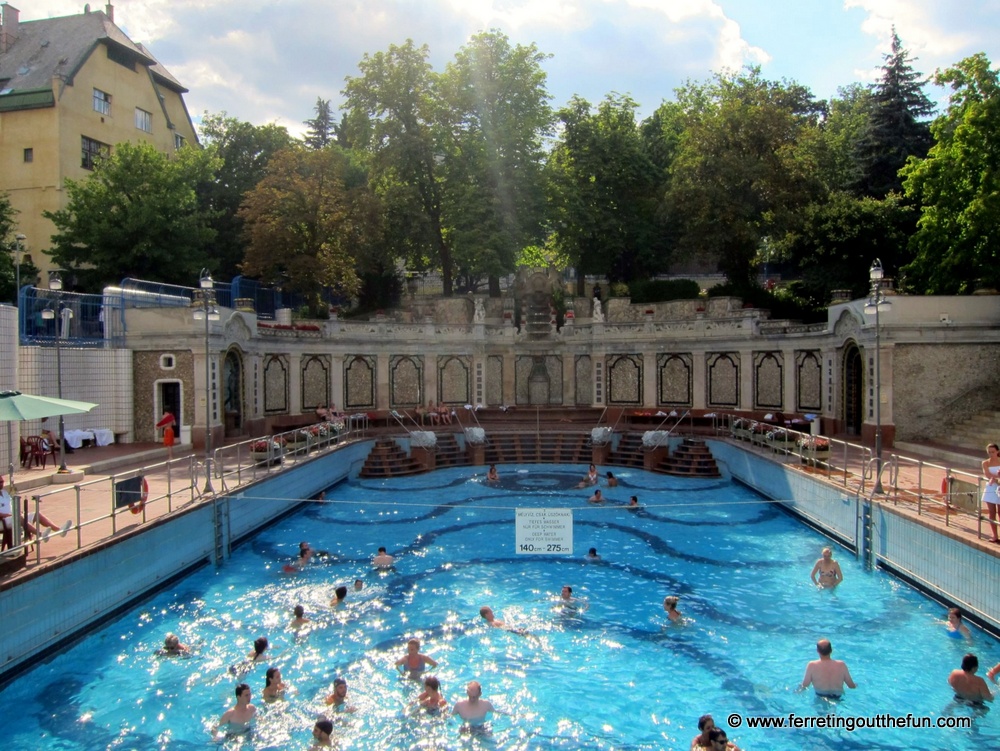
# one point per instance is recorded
(413, 662)
(172, 647)
(238, 719)
(954, 626)
(826, 574)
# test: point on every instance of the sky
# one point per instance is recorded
(268, 62)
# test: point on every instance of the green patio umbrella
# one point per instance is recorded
(17, 406)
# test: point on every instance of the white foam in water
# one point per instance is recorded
(614, 676)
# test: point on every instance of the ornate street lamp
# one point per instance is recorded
(65, 314)
(207, 311)
(877, 301)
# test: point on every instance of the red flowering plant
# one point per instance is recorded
(263, 445)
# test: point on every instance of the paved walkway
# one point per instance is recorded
(913, 486)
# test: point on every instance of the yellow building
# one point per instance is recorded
(70, 89)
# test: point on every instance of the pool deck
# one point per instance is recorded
(915, 492)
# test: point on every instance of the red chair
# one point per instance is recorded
(38, 450)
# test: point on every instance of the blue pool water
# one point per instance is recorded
(616, 677)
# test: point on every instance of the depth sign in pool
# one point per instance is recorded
(544, 531)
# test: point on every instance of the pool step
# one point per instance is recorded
(629, 452)
(692, 458)
(535, 448)
(448, 453)
(387, 459)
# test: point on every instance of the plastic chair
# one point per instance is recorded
(38, 451)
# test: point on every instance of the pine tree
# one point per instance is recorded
(898, 126)
(322, 128)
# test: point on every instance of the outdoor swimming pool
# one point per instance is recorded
(615, 677)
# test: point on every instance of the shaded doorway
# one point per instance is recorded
(854, 415)
(232, 375)
(168, 398)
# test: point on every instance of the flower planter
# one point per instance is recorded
(262, 457)
(814, 457)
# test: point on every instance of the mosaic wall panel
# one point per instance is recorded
(454, 380)
(723, 375)
(624, 379)
(554, 367)
(549, 390)
(768, 369)
(406, 374)
(359, 382)
(808, 381)
(674, 380)
(494, 380)
(315, 382)
(583, 376)
(275, 384)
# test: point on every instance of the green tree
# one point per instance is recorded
(322, 128)
(739, 176)
(299, 224)
(396, 99)
(244, 151)
(138, 215)
(898, 127)
(603, 192)
(957, 187)
(832, 144)
(496, 113)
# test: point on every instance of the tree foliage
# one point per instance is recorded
(138, 215)
(958, 187)
(603, 192)
(495, 111)
(897, 128)
(738, 177)
(302, 224)
(244, 151)
(322, 128)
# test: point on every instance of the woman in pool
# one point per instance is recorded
(826, 574)
(259, 648)
(413, 662)
(991, 496)
(274, 687)
(493, 475)
(591, 478)
(431, 698)
(670, 606)
(956, 629)
(612, 480)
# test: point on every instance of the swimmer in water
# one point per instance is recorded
(591, 478)
(172, 647)
(338, 699)
(358, 585)
(259, 648)
(431, 699)
(826, 574)
(968, 686)
(300, 619)
(571, 605)
(474, 710)
(957, 629)
(592, 555)
(382, 559)
(339, 595)
(321, 734)
(633, 501)
(612, 480)
(670, 606)
(239, 719)
(596, 497)
(493, 475)
(274, 687)
(486, 612)
(413, 662)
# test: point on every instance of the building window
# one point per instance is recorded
(102, 102)
(92, 151)
(29, 155)
(143, 120)
(179, 141)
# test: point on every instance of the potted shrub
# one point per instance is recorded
(814, 448)
(266, 449)
(780, 439)
(759, 431)
(741, 428)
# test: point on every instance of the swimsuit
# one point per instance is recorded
(990, 492)
(954, 633)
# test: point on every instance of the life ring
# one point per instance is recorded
(137, 508)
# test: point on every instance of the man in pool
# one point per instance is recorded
(172, 647)
(827, 675)
(383, 559)
(358, 585)
(239, 718)
(826, 574)
(321, 734)
(475, 709)
(967, 685)
(338, 699)
(487, 614)
(596, 497)
(571, 605)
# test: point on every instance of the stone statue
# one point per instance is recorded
(480, 314)
(598, 314)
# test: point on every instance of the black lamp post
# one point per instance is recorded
(877, 301)
(207, 311)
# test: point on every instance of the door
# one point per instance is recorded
(854, 414)
(169, 398)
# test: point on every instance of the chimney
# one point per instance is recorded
(109, 11)
(9, 16)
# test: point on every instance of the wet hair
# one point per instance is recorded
(704, 720)
(339, 682)
(299, 611)
(269, 675)
(484, 610)
(341, 592)
(610, 475)
(381, 550)
(240, 688)
(824, 647)
(324, 726)
(568, 588)
(634, 498)
(970, 662)
(670, 601)
(956, 612)
(260, 644)
(171, 642)
(717, 734)
(303, 547)
(592, 551)
(359, 582)
(431, 682)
